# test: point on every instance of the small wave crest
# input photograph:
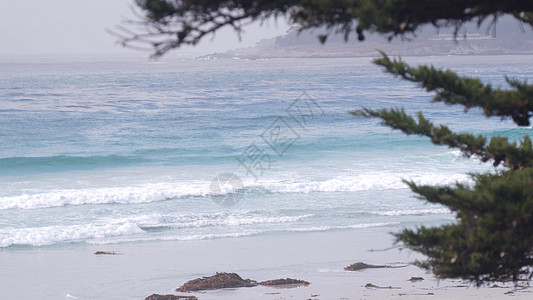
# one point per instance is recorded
(365, 182)
(182, 227)
(177, 190)
(139, 225)
(107, 195)
(412, 212)
(240, 233)
(148, 222)
(42, 236)
(340, 227)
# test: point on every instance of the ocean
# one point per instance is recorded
(115, 151)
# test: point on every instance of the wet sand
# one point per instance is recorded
(137, 270)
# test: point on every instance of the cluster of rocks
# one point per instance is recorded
(222, 281)
(217, 281)
(232, 280)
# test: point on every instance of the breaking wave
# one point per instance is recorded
(168, 190)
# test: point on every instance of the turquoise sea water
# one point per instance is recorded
(108, 151)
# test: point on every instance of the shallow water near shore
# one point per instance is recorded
(122, 154)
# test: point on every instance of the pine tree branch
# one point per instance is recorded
(187, 22)
(450, 88)
(493, 237)
(499, 149)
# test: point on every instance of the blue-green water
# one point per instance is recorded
(113, 151)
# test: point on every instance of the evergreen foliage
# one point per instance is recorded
(469, 92)
(492, 238)
(167, 24)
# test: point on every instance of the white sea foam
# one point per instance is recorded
(241, 233)
(48, 235)
(122, 230)
(363, 181)
(105, 195)
(337, 227)
(110, 227)
(411, 212)
(213, 219)
(190, 237)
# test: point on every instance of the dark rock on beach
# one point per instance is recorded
(373, 286)
(105, 253)
(285, 281)
(361, 266)
(415, 279)
(169, 297)
(217, 281)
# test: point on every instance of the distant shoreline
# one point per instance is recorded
(213, 57)
(470, 40)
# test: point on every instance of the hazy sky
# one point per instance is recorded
(32, 27)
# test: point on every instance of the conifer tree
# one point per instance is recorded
(492, 238)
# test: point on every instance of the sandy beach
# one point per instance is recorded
(134, 177)
(240, 150)
(138, 270)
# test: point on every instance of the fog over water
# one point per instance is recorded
(79, 27)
